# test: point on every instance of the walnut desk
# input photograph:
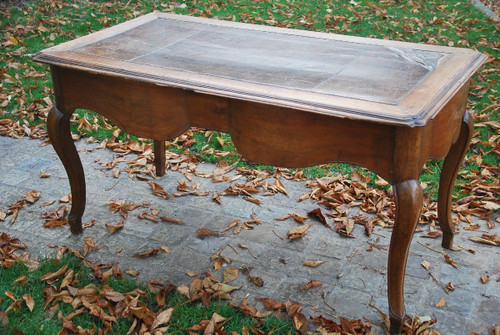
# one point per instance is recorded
(288, 98)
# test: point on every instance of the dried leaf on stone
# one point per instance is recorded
(206, 232)
(441, 302)
(158, 190)
(112, 228)
(230, 274)
(65, 198)
(89, 245)
(271, 304)
(432, 234)
(298, 232)
(151, 252)
(450, 261)
(319, 215)
(312, 264)
(345, 227)
(144, 215)
(122, 206)
(253, 200)
(32, 196)
(44, 174)
(310, 285)
(170, 219)
(490, 239)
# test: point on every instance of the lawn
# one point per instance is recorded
(26, 96)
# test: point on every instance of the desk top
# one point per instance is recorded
(345, 76)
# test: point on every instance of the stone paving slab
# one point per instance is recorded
(351, 276)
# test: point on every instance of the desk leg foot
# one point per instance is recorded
(449, 173)
(409, 199)
(159, 157)
(60, 137)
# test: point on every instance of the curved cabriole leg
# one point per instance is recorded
(449, 173)
(409, 199)
(60, 136)
(159, 157)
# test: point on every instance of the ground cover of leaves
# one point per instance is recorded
(26, 96)
(69, 295)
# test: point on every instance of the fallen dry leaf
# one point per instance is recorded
(112, 228)
(170, 219)
(206, 232)
(312, 264)
(159, 191)
(28, 299)
(310, 285)
(319, 215)
(152, 252)
(298, 232)
(441, 303)
(89, 245)
(230, 274)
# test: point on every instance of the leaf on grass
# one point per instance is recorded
(53, 275)
(20, 280)
(114, 296)
(184, 290)
(163, 318)
(310, 285)
(112, 228)
(298, 232)
(312, 264)
(132, 272)
(170, 219)
(159, 191)
(319, 215)
(28, 299)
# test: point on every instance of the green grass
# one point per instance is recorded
(43, 23)
(184, 316)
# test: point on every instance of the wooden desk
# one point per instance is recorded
(288, 98)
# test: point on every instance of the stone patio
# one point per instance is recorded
(351, 275)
